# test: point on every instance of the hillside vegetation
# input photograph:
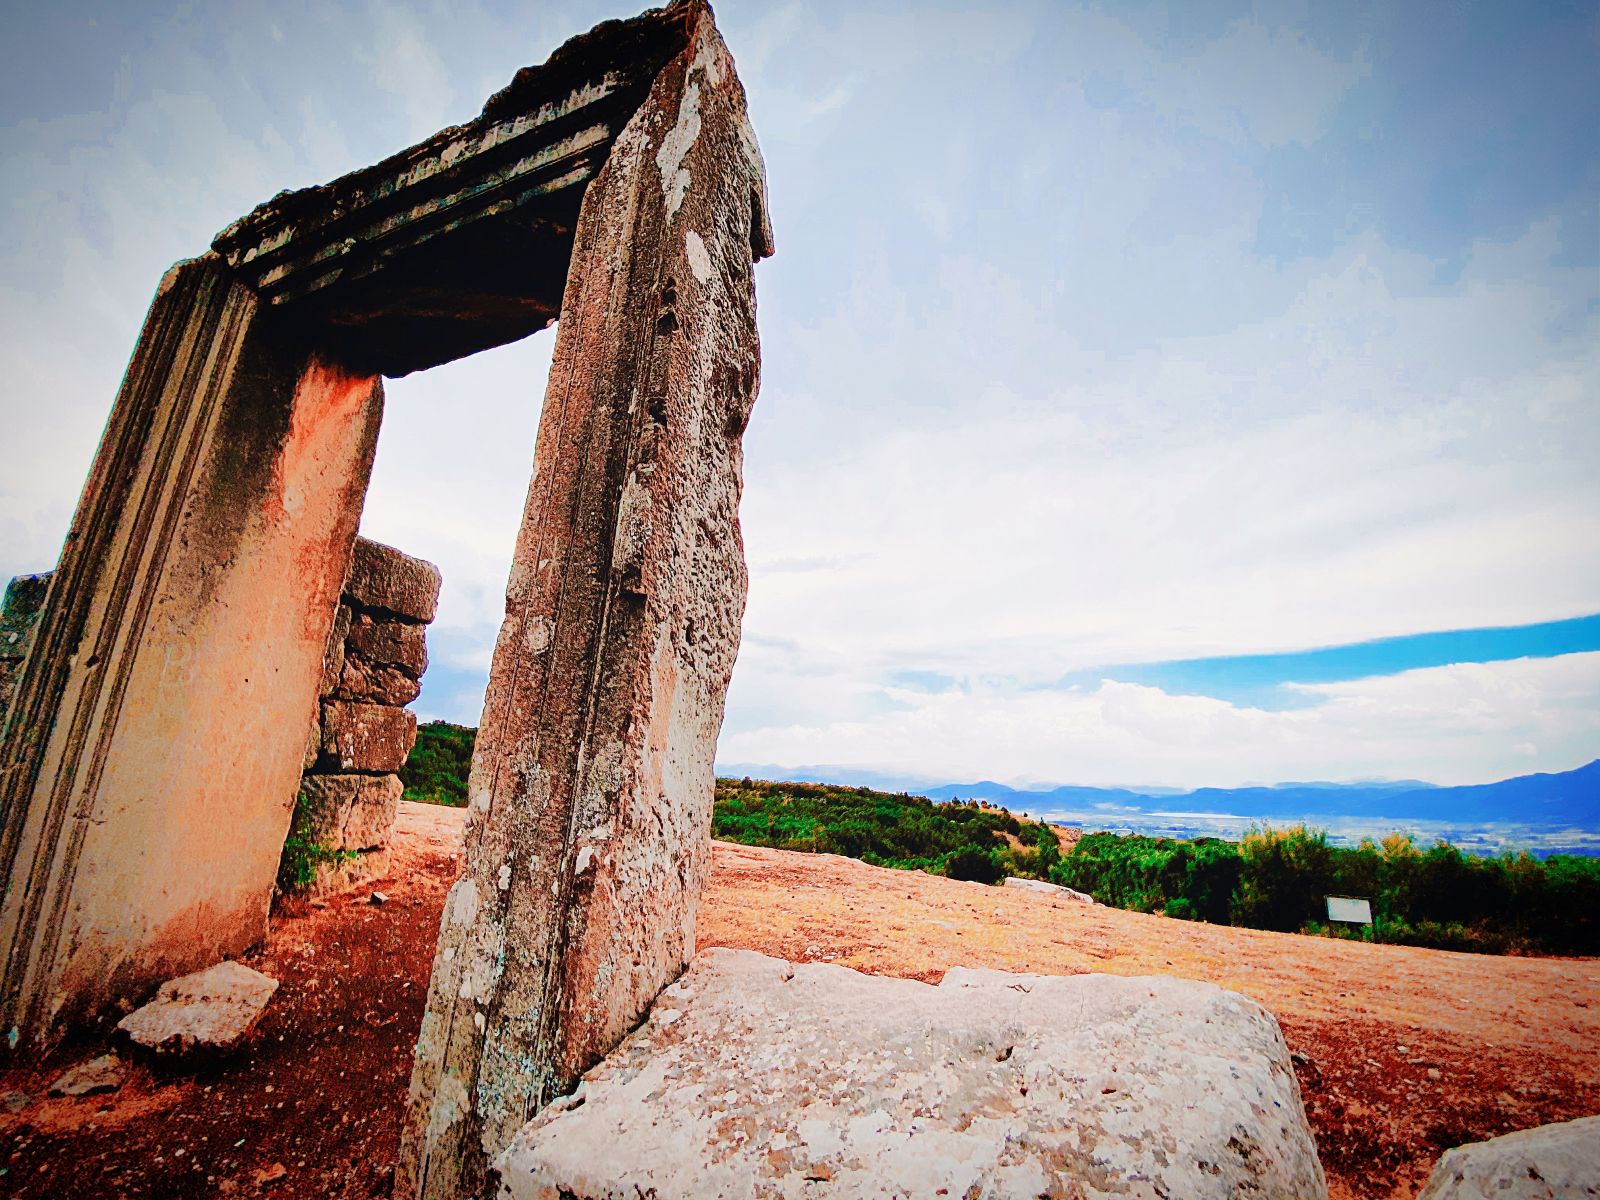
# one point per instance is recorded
(1280, 879)
(960, 840)
(1274, 879)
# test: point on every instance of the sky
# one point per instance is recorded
(1181, 395)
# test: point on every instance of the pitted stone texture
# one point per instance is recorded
(366, 737)
(753, 1077)
(1552, 1162)
(382, 577)
(377, 684)
(208, 1010)
(350, 812)
(1042, 888)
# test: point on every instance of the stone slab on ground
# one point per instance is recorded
(103, 1074)
(1047, 889)
(208, 1010)
(1552, 1162)
(755, 1077)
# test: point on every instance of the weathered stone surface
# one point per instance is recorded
(1047, 889)
(208, 1010)
(387, 580)
(753, 1077)
(160, 722)
(349, 812)
(376, 685)
(1552, 1162)
(366, 737)
(103, 1074)
(592, 781)
(398, 644)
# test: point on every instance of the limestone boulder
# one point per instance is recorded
(1552, 1162)
(755, 1077)
(366, 737)
(103, 1074)
(387, 580)
(209, 1010)
(1040, 887)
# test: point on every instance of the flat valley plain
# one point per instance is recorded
(1400, 1052)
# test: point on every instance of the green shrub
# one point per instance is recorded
(437, 770)
(303, 854)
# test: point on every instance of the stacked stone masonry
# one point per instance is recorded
(363, 732)
(19, 621)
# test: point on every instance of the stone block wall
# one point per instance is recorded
(19, 620)
(363, 732)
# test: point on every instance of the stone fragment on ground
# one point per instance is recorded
(1552, 1162)
(209, 1010)
(753, 1076)
(1047, 889)
(103, 1074)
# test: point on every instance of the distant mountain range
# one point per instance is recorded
(1568, 799)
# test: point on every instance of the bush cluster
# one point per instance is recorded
(436, 772)
(963, 840)
(1280, 879)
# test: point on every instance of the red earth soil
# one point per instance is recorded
(1400, 1052)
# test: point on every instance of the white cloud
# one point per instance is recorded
(1457, 724)
(1032, 400)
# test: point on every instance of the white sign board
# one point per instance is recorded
(1354, 912)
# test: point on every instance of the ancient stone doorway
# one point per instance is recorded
(159, 722)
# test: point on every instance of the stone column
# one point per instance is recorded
(159, 724)
(590, 794)
(349, 795)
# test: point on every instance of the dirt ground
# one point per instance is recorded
(1400, 1052)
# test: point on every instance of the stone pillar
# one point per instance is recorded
(590, 794)
(159, 724)
(19, 621)
(350, 792)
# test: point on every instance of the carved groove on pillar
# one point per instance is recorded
(147, 456)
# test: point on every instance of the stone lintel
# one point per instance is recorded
(460, 242)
